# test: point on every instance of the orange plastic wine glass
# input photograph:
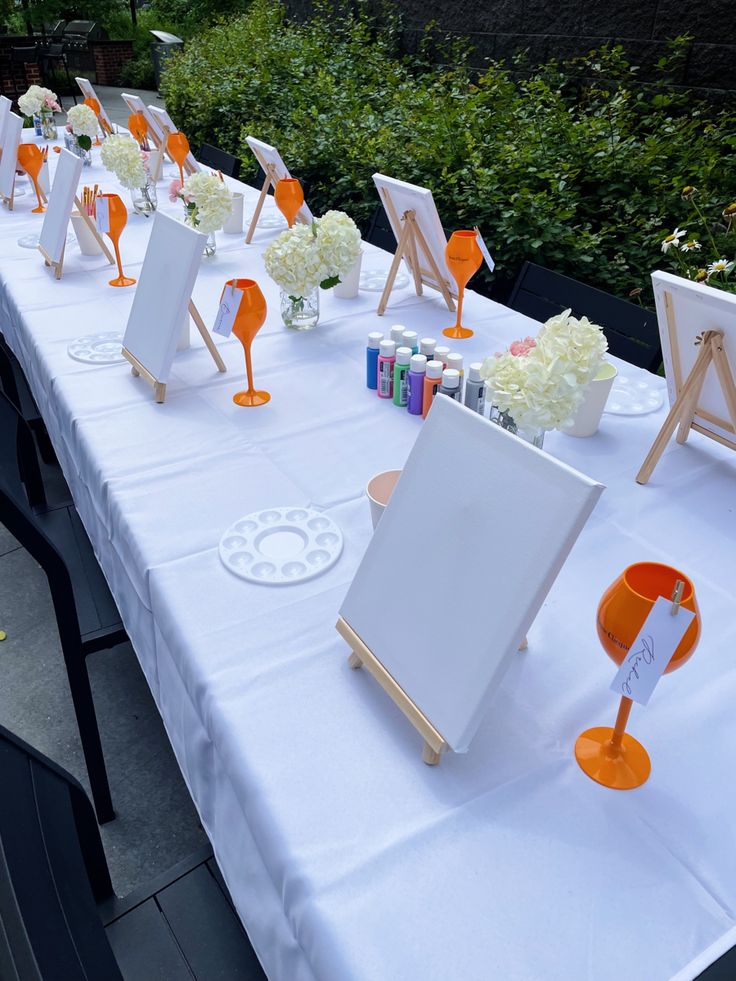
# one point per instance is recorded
(118, 215)
(289, 198)
(611, 756)
(139, 128)
(96, 108)
(249, 319)
(31, 160)
(178, 146)
(463, 258)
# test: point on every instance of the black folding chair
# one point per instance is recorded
(86, 615)
(212, 156)
(53, 58)
(14, 384)
(631, 330)
(379, 231)
(59, 917)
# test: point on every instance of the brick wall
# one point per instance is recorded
(15, 77)
(498, 29)
(110, 57)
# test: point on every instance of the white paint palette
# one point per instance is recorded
(279, 546)
(635, 396)
(374, 280)
(103, 348)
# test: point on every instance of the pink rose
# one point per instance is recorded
(174, 189)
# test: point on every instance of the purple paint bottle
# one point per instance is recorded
(417, 371)
(386, 361)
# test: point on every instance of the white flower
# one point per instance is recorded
(542, 388)
(122, 156)
(690, 246)
(37, 98)
(211, 199)
(304, 257)
(673, 239)
(82, 121)
(338, 242)
(720, 265)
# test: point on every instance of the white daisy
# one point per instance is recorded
(690, 246)
(673, 239)
(720, 266)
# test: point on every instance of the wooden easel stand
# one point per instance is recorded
(685, 407)
(58, 266)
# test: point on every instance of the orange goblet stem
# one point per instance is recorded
(121, 279)
(622, 718)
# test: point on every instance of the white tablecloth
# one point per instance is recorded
(347, 858)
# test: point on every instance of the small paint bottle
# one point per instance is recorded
(411, 340)
(427, 346)
(451, 383)
(415, 377)
(440, 354)
(401, 370)
(371, 359)
(397, 334)
(386, 360)
(432, 382)
(475, 389)
(456, 361)
(38, 128)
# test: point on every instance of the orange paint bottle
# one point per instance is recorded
(432, 382)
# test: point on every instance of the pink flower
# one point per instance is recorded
(51, 104)
(520, 348)
(174, 189)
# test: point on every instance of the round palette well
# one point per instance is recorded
(633, 397)
(279, 546)
(98, 348)
(374, 280)
(270, 218)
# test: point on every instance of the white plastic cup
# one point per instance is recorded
(347, 288)
(379, 490)
(588, 417)
(88, 244)
(234, 222)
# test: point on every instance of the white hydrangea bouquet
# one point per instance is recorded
(207, 201)
(38, 100)
(539, 383)
(122, 156)
(82, 124)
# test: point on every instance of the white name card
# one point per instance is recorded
(229, 306)
(102, 215)
(651, 651)
(484, 249)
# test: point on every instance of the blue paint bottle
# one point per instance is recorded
(371, 359)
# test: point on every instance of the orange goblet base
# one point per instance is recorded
(458, 333)
(38, 211)
(123, 281)
(620, 767)
(251, 398)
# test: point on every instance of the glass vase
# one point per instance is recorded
(210, 247)
(48, 125)
(144, 198)
(70, 142)
(300, 312)
(506, 421)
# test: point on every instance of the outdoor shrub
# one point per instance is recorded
(577, 166)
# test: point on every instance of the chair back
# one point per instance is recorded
(53, 872)
(212, 156)
(25, 56)
(631, 330)
(20, 473)
(380, 232)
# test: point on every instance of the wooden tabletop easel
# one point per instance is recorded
(58, 266)
(685, 407)
(411, 243)
(159, 387)
(271, 180)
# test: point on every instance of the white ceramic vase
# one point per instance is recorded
(347, 288)
(588, 417)
(88, 244)
(234, 223)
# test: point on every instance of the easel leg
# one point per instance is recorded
(400, 247)
(210, 344)
(354, 661)
(435, 270)
(690, 392)
(430, 756)
(725, 377)
(416, 271)
(257, 212)
(523, 645)
(159, 392)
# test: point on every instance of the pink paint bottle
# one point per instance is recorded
(386, 361)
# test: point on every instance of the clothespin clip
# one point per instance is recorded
(677, 597)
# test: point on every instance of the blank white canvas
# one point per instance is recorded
(61, 201)
(163, 292)
(411, 197)
(267, 154)
(165, 119)
(478, 526)
(695, 308)
(88, 91)
(13, 132)
(5, 104)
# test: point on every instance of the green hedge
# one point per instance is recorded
(577, 165)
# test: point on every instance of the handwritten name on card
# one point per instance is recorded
(229, 305)
(649, 655)
(102, 215)
(484, 250)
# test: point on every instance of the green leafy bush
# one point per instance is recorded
(574, 165)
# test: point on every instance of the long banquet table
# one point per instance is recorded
(347, 858)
